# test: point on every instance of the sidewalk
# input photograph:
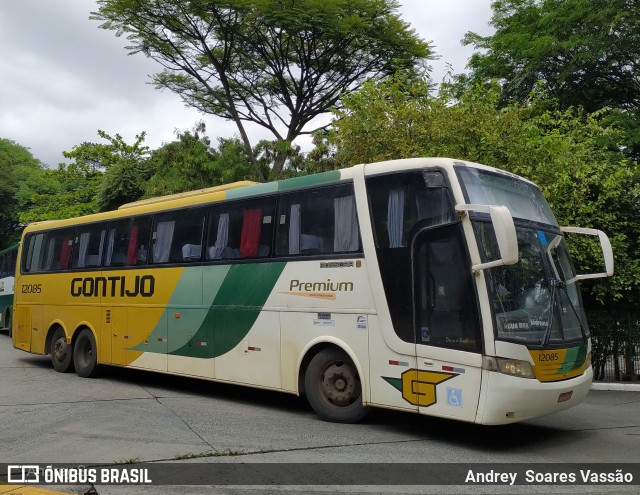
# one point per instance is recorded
(617, 386)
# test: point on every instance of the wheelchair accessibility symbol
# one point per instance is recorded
(454, 397)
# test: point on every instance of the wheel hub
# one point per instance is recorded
(60, 348)
(339, 385)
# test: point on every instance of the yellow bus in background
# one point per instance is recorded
(430, 285)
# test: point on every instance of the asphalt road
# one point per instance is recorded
(131, 416)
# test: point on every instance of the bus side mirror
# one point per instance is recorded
(605, 245)
(505, 232)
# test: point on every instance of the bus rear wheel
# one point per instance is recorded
(333, 387)
(85, 356)
(61, 352)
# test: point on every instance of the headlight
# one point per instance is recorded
(513, 367)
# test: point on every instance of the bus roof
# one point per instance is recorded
(246, 189)
(189, 194)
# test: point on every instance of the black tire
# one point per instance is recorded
(85, 354)
(333, 387)
(61, 352)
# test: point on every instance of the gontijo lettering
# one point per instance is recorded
(113, 286)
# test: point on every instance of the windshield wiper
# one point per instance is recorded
(559, 284)
(554, 283)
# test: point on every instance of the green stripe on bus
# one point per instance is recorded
(285, 185)
(309, 180)
(234, 310)
(257, 190)
(574, 358)
(189, 287)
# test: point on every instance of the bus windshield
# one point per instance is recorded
(536, 301)
(524, 199)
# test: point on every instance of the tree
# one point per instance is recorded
(581, 52)
(573, 157)
(8, 188)
(101, 176)
(21, 177)
(275, 63)
(101, 156)
(124, 166)
(73, 193)
(190, 163)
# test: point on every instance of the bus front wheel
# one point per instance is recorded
(61, 352)
(85, 354)
(333, 387)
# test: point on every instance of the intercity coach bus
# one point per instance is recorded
(429, 285)
(7, 272)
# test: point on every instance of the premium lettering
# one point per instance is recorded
(120, 286)
(328, 286)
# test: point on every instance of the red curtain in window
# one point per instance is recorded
(250, 239)
(65, 253)
(132, 251)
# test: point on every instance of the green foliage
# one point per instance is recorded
(573, 157)
(101, 156)
(190, 163)
(21, 177)
(322, 157)
(101, 176)
(584, 52)
(123, 164)
(578, 53)
(73, 193)
(126, 172)
(275, 63)
(8, 188)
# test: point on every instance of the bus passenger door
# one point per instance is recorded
(448, 333)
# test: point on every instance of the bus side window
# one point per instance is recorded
(173, 231)
(88, 246)
(240, 230)
(57, 255)
(399, 202)
(318, 221)
(117, 242)
(127, 242)
(139, 242)
(33, 260)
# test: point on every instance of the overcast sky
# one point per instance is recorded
(62, 78)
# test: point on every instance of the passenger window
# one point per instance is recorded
(32, 262)
(399, 202)
(177, 236)
(318, 221)
(128, 242)
(49, 251)
(240, 230)
(88, 246)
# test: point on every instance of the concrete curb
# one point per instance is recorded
(618, 387)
